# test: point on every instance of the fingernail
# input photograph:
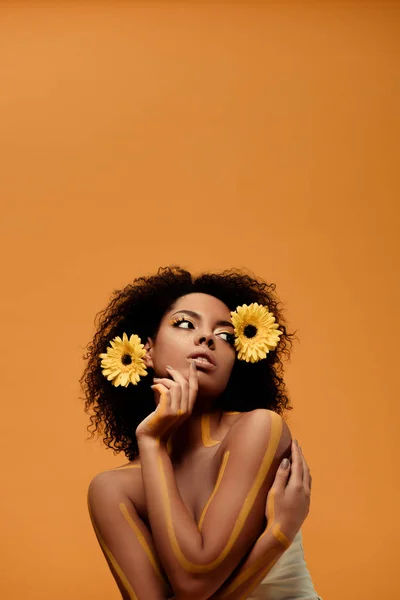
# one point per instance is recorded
(296, 442)
(169, 367)
(285, 463)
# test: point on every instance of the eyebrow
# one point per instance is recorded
(197, 316)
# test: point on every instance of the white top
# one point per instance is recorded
(289, 578)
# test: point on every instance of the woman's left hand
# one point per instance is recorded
(175, 403)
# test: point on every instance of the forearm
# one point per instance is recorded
(262, 557)
(200, 559)
(163, 497)
(175, 533)
(260, 560)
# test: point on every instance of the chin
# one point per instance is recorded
(207, 390)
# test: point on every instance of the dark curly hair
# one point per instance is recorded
(138, 308)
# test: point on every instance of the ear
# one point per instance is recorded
(148, 358)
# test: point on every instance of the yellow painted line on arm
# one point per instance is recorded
(276, 430)
(142, 541)
(239, 580)
(219, 479)
(276, 528)
(259, 579)
(112, 560)
(269, 558)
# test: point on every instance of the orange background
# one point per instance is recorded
(262, 135)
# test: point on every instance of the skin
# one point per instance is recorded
(261, 559)
(206, 329)
(182, 435)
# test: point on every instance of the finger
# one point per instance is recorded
(163, 410)
(182, 399)
(168, 383)
(174, 392)
(163, 400)
(176, 375)
(296, 477)
(282, 475)
(193, 385)
(306, 472)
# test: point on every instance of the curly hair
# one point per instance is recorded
(138, 308)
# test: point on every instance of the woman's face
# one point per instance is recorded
(197, 326)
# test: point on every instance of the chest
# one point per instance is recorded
(196, 477)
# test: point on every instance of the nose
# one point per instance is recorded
(206, 338)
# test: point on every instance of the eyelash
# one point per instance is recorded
(230, 337)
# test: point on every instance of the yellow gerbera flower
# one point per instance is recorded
(123, 362)
(256, 332)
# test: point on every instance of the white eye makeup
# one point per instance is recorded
(229, 337)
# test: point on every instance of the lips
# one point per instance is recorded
(205, 358)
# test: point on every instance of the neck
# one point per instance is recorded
(195, 432)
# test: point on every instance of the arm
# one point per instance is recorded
(273, 542)
(199, 562)
(263, 556)
(287, 506)
(131, 555)
(125, 540)
(129, 550)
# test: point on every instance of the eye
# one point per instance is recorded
(183, 323)
(228, 337)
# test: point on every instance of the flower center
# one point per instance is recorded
(250, 331)
(126, 359)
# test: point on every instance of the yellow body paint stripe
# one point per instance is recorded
(276, 430)
(270, 509)
(112, 560)
(156, 418)
(142, 541)
(220, 474)
(276, 531)
(259, 579)
(162, 403)
(205, 432)
(281, 537)
(249, 572)
(266, 558)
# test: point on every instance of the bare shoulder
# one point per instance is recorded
(259, 425)
(109, 487)
(126, 479)
(261, 418)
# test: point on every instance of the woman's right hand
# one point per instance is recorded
(288, 500)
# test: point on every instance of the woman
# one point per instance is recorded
(184, 376)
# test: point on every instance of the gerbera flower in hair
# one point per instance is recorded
(256, 332)
(123, 362)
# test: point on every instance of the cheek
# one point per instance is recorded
(231, 367)
(170, 348)
(228, 364)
